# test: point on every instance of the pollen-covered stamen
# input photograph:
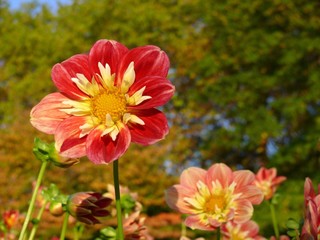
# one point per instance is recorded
(112, 103)
(216, 203)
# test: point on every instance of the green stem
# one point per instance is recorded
(183, 230)
(218, 233)
(33, 199)
(64, 226)
(274, 220)
(75, 233)
(37, 221)
(118, 204)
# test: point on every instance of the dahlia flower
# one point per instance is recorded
(268, 181)
(134, 228)
(311, 226)
(214, 197)
(246, 231)
(10, 218)
(106, 100)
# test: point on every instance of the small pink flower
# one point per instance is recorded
(311, 226)
(214, 197)
(106, 100)
(245, 231)
(10, 218)
(268, 181)
(134, 228)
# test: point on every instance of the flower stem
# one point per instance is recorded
(118, 204)
(37, 221)
(33, 199)
(274, 220)
(183, 230)
(218, 233)
(64, 226)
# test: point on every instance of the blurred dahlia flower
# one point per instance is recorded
(106, 100)
(245, 231)
(214, 197)
(311, 226)
(268, 181)
(10, 218)
(134, 228)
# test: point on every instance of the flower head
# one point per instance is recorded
(106, 100)
(311, 226)
(214, 197)
(10, 218)
(245, 231)
(87, 206)
(268, 181)
(134, 228)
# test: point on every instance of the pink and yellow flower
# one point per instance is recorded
(311, 226)
(245, 231)
(268, 181)
(106, 100)
(214, 197)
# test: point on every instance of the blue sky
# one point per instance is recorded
(15, 4)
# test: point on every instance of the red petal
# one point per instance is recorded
(67, 138)
(159, 88)
(63, 72)
(106, 51)
(102, 150)
(46, 116)
(148, 61)
(155, 128)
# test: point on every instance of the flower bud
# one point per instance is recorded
(86, 206)
(56, 208)
(47, 152)
(61, 161)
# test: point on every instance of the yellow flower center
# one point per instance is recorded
(215, 201)
(113, 103)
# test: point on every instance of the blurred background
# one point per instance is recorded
(247, 77)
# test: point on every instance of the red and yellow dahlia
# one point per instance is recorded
(268, 181)
(214, 197)
(106, 100)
